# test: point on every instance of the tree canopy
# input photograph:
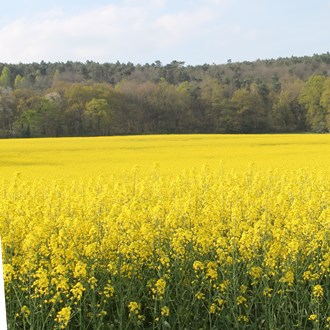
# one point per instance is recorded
(84, 99)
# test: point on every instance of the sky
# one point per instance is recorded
(145, 31)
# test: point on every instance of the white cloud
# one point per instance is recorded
(194, 31)
(174, 28)
(101, 31)
(134, 30)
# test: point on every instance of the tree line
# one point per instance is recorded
(88, 99)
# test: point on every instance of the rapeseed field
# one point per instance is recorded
(167, 232)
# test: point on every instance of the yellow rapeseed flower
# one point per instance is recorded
(318, 291)
(200, 296)
(159, 289)
(63, 317)
(313, 317)
(134, 308)
(165, 311)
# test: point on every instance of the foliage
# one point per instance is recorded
(248, 97)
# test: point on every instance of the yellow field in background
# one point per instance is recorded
(107, 156)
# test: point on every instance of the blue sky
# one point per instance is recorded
(144, 31)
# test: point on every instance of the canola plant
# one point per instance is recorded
(206, 247)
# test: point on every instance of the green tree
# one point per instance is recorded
(98, 116)
(89, 107)
(28, 124)
(18, 81)
(40, 116)
(76, 96)
(287, 114)
(250, 111)
(325, 102)
(51, 113)
(56, 78)
(213, 96)
(186, 121)
(7, 114)
(165, 108)
(130, 117)
(310, 97)
(5, 77)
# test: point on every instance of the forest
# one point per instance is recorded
(91, 99)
